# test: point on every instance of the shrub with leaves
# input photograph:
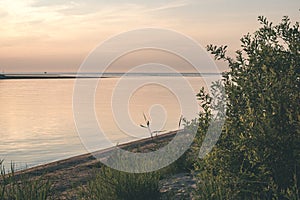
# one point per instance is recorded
(257, 156)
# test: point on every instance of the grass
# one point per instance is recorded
(21, 186)
(112, 184)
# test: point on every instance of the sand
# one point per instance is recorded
(69, 174)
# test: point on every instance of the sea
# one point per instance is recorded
(38, 122)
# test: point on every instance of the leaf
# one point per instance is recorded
(141, 125)
(145, 118)
(180, 120)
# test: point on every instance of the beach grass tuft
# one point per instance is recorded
(19, 186)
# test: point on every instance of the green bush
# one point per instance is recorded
(112, 184)
(257, 155)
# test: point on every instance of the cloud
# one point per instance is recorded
(170, 5)
(65, 20)
(3, 13)
(18, 41)
(65, 7)
(47, 3)
(81, 7)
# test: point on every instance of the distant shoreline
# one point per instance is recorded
(51, 76)
(95, 75)
(45, 77)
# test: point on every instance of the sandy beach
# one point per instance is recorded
(69, 174)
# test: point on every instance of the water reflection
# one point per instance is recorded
(36, 120)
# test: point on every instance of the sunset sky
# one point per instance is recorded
(56, 35)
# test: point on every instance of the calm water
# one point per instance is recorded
(37, 124)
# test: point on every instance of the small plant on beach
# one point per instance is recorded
(21, 186)
(147, 126)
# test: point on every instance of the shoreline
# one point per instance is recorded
(68, 175)
(82, 158)
(95, 75)
(48, 77)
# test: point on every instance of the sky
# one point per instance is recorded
(57, 35)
